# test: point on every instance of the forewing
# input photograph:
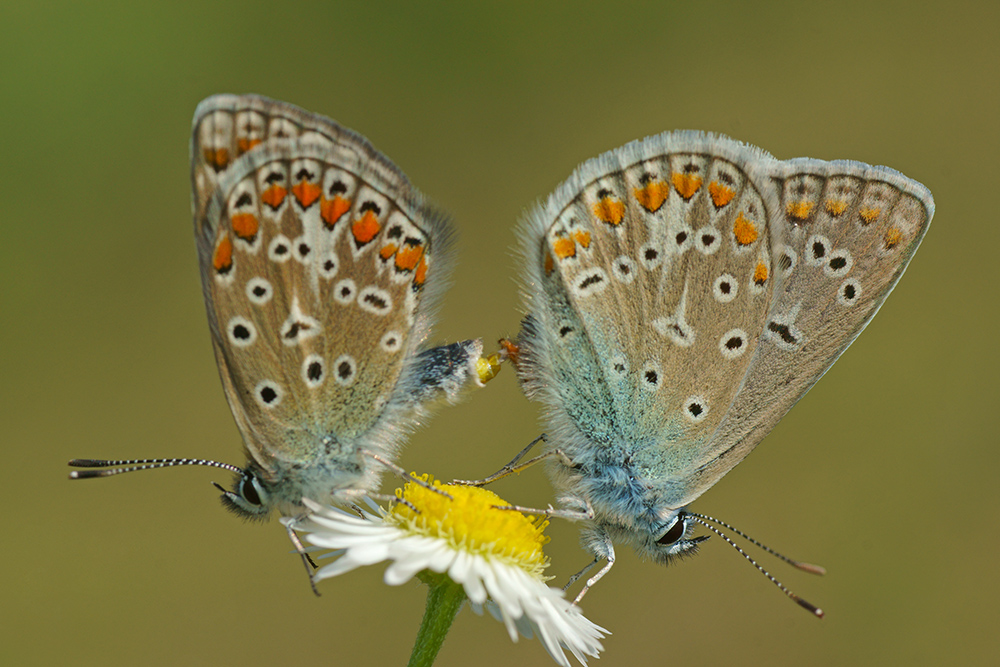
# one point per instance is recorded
(650, 278)
(314, 265)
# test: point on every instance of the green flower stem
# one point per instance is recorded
(444, 599)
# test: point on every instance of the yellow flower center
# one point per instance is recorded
(471, 520)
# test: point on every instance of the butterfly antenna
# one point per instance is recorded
(816, 611)
(117, 467)
(805, 567)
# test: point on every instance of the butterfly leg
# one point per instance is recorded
(587, 568)
(514, 466)
(570, 514)
(300, 549)
(402, 474)
(377, 497)
(606, 551)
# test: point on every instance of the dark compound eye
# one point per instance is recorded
(675, 533)
(249, 491)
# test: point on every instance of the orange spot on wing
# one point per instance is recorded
(686, 184)
(835, 206)
(331, 209)
(307, 193)
(365, 228)
(387, 251)
(583, 238)
(218, 157)
(868, 215)
(799, 209)
(549, 263)
(610, 211)
(721, 194)
(421, 274)
(760, 273)
(564, 247)
(408, 256)
(892, 237)
(744, 230)
(245, 226)
(273, 196)
(222, 259)
(246, 144)
(652, 195)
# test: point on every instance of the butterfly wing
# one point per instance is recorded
(226, 127)
(843, 234)
(320, 267)
(649, 276)
(686, 290)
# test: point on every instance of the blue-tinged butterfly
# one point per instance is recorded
(683, 292)
(321, 267)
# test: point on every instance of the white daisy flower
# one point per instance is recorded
(494, 554)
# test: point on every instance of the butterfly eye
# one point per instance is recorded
(249, 491)
(674, 533)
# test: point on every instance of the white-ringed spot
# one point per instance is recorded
(816, 250)
(838, 264)
(681, 239)
(590, 282)
(848, 292)
(280, 249)
(783, 332)
(259, 291)
(241, 332)
(345, 291)
(623, 269)
(375, 300)
(725, 288)
(733, 343)
(268, 394)
(345, 369)
(302, 249)
(707, 239)
(695, 408)
(313, 371)
(328, 266)
(649, 256)
(651, 376)
(391, 342)
(298, 326)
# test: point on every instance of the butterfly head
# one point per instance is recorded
(673, 539)
(661, 542)
(251, 497)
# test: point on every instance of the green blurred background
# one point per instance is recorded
(885, 473)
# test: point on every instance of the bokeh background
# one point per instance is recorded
(886, 473)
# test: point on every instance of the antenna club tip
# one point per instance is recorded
(816, 611)
(809, 567)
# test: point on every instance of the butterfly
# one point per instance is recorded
(321, 267)
(683, 292)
